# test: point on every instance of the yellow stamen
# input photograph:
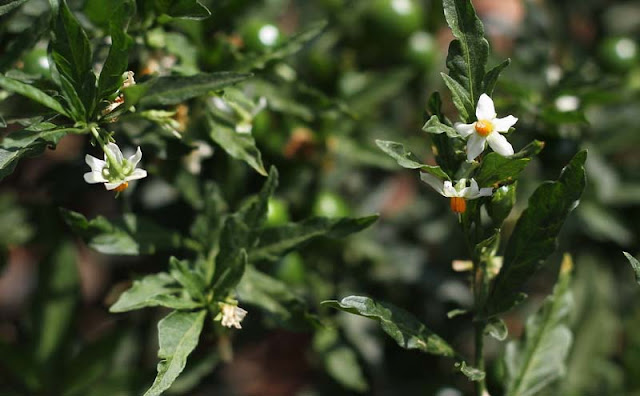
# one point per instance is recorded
(122, 187)
(458, 205)
(484, 127)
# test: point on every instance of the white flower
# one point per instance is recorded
(232, 315)
(458, 193)
(484, 130)
(115, 171)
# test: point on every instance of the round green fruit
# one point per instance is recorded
(37, 62)
(328, 204)
(291, 269)
(277, 212)
(421, 49)
(398, 18)
(259, 36)
(619, 53)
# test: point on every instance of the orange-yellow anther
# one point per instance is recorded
(458, 205)
(484, 127)
(122, 187)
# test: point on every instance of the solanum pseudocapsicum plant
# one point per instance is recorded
(474, 178)
(215, 282)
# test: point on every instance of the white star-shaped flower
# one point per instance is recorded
(232, 315)
(487, 129)
(458, 193)
(115, 171)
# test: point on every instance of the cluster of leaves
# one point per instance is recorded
(533, 239)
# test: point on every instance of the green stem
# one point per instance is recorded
(479, 358)
(113, 162)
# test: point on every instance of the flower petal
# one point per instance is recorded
(500, 144)
(135, 159)
(115, 151)
(474, 187)
(464, 130)
(94, 177)
(94, 163)
(475, 146)
(485, 192)
(112, 186)
(503, 124)
(136, 174)
(449, 190)
(485, 109)
(433, 181)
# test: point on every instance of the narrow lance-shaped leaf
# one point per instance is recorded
(291, 46)
(635, 264)
(154, 290)
(129, 235)
(275, 297)
(9, 5)
(178, 334)
(71, 55)
(241, 146)
(170, 90)
(59, 290)
(407, 160)
(399, 324)
(118, 59)
(535, 235)
(491, 78)
(540, 358)
(433, 125)
(468, 54)
(275, 242)
(28, 143)
(32, 93)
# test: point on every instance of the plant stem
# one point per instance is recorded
(479, 361)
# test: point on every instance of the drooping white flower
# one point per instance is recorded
(238, 110)
(458, 193)
(231, 315)
(115, 171)
(487, 129)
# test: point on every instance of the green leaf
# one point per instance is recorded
(472, 373)
(32, 93)
(468, 54)
(231, 260)
(154, 290)
(460, 97)
(178, 334)
(170, 90)
(540, 358)
(407, 160)
(241, 146)
(254, 210)
(340, 360)
(72, 58)
(9, 5)
(491, 78)
(275, 297)
(399, 324)
(29, 142)
(58, 295)
(189, 278)
(117, 61)
(535, 235)
(497, 329)
(275, 242)
(188, 9)
(194, 373)
(635, 264)
(496, 170)
(289, 47)
(129, 235)
(433, 125)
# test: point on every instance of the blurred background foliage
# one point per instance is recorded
(574, 82)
